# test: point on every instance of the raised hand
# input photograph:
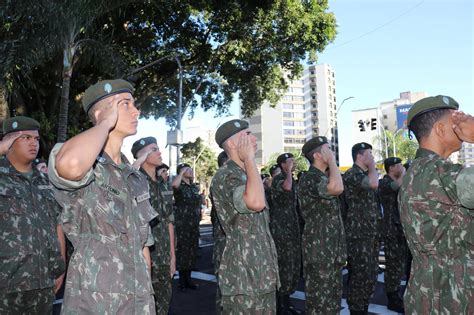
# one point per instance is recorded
(245, 148)
(8, 140)
(463, 126)
(108, 114)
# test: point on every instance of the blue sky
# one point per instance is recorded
(383, 48)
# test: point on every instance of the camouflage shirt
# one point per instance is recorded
(188, 204)
(388, 192)
(161, 199)
(363, 218)
(30, 256)
(323, 236)
(248, 263)
(106, 216)
(436, 204)
(283, 217)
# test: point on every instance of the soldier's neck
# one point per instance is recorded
(112, 148)
(150, 170)
(19, 165)
(362, 166)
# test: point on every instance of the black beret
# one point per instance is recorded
(19, 123)
(222, 158)
(264, 175)
(274, 168)
(428, 104)
(283, 157)
(141, 143)
(162, 166)
(312, 144)
(104, 89)
(391, 161)
(181, 166)
(360, 146)
(228, 129)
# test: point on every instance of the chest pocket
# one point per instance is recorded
(12, 209)
(109, 207)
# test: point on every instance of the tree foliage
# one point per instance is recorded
(202, 159)
(396, 144)
(250, 47)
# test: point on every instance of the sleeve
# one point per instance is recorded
(317, 187)
(465, 187)
(60, 182)
(150, 240)
(238, 200)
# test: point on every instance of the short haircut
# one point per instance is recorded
(387, 167)
(93, 109)
(422, 124)
(310, 154)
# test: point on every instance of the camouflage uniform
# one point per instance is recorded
(394, 240)
(284, 226)
(362, 225)
(219, 244)
(30, 257)
(161, 199)
(324, 244)
(187, 215)
(106, 216)
(436, 206)
(248, 271)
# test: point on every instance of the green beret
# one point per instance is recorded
(104, 89)
(140, 144)
(312, 144)
(162, 166)
(19, 123)
(431, 103)
(228, 129)
(181, 166)
(283, 157)
(264, 175)
(360, 146)
(273, 169)
(391, 161)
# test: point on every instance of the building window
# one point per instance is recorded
(287, 132)
(287, 115)
(312, 72)
(385, 117)
(287, 106)
(288, 123)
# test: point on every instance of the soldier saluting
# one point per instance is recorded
(436, 204)
(106, 209)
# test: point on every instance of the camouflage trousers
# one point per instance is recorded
(264, 304)
(27, 302)
(82, 302)
(289, 263)
(363, 270)
(396, 251)
(323, 288)
(187, 242)
(161, 281)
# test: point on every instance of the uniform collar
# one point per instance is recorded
(6, 168)
(422, 153)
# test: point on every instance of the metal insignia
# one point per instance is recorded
(286, 155)
(320, 139)
(362, 145)
(237, 124)
(446, 100)
(15, 125)
(142, 142)
(108, 88)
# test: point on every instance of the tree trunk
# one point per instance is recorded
(4, 109)
(64, 103)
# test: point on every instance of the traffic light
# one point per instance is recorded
(373, 124)
(361, 125)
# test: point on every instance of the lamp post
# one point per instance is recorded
(337, 112)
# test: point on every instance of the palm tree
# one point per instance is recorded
(395, 144)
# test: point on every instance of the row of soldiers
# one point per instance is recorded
(118, 216)
(106, 208)
(431, 206)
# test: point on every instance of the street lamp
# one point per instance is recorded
(337, 112)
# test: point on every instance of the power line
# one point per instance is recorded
(378, 27)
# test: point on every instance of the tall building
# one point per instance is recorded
(308, 108)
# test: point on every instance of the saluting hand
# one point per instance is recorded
(463, 126)
(245, 147)
(8, 140)
(328, 155)
(108, 115)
